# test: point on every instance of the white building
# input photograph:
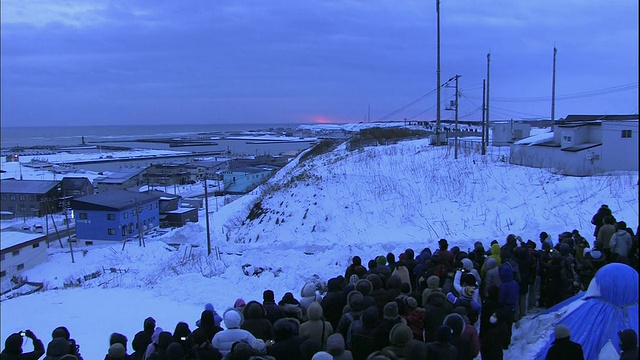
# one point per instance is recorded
(582, 145)
(20, 251)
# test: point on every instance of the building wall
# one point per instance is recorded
(99, 224)
(580, 163)
(30, 205)
(619, 153)
(27, 258)
(241, 182)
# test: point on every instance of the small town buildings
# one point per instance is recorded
(20, 251)
(582, 145)
(166, 174)
(506, 133)
(242, 180)
(172, 214)
(115, 215)
(76, 187)
(29, 198)
(123, 179)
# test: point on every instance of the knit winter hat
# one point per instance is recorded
(443, 334)
(561, 332)
(411, 302)
(381, 260)
(400, 334)
(390, 311)
(268, 295)
(117, 351)
(322, 355)
(175, 351)
(433, 281)
(239, 303)
(61, 332)
(353, 295)
(364, 286)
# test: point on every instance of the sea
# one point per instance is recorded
(107, 138)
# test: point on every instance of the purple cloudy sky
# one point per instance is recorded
(292, 61)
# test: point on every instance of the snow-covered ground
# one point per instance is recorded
(314, 216)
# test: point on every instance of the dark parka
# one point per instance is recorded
(563, 349)
(13, 348)
(332, 303)
(256, 322)
(437, 308)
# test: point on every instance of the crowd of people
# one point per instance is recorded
(445, 304)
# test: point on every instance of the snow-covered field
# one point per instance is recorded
(314, 216)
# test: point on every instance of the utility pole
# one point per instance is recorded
(438, 73)
(66, 218)
(206, 211)
(553, 86)
(456, 127)
(487, 109)
(484, 139)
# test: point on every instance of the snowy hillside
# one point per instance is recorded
(305, 225)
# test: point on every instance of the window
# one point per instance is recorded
(4, 196)
(20, 267)
(566, 138)
(149, 207)
(125, 215)
(35, 245)
(15, 253)
(155, 205)
(2, 257)
(111, 231)
(88, 242)
(12, 197)
(82, 216)
(3, 273)
(111, 216)
(22, 198)
(32, 197)
(626, 134)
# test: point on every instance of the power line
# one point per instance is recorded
(582, 94)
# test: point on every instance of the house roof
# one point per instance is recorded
(581, 147)
(570, 118)
(27, 186)
(113, 200)
(118, 177)
(14, 238)
(74, 183)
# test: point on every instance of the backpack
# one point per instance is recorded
(355, 324)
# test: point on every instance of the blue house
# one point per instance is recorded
(243, 180)
(112, 216)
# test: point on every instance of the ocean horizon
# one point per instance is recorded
(28, 136)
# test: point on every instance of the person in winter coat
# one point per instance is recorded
(467, 300)
(598, 218)
(336, 347)
(159, 350)
(351, 311)
(117, 351)
(57, 348)
(291, 307)
(490, 306)
(63, 332)
(562, 347)
(492, 275)
(381, 268)
(508, 298)
(363, 340)
(332, 302)
(274, 312)
(182, 336)
(462, 345)
(256, 322)
(495, 254)
(403, 346)
(287, 340)
(628, 344)
(493, 336)
(154, 343)
(620, 243)
(522, 257)
(410, 262)
(470, 332)
(203, 335)
(436, 308)
(142, 339)
(365, 287)
(223, 340)
(379, 294)
(440, 348)
(315, 327)
(175, 352)
(13, 347)
(117, 338)
(217, 319)
(391, 317)
(433, 284)
(355, 268)
(308, 295)
(414, 317)
(402, 272)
